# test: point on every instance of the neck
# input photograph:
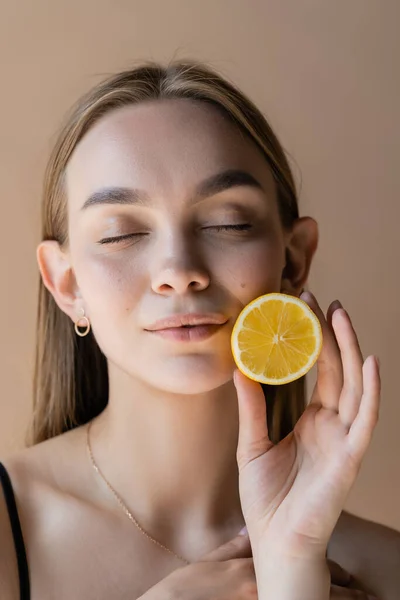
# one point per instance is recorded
(172, 458)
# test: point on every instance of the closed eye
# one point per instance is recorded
(120, 238)
(239, 227)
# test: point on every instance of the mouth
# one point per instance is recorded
(189, 327)
(187, 321)
(188, 333)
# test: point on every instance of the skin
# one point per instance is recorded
(293, 492)
(180, 395)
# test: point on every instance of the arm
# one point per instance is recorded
(281, 576)
(370, 552)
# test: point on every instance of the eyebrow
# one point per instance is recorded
(209, 187)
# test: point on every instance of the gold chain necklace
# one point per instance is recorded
(121, 502)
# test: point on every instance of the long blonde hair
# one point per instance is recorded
(70, 384)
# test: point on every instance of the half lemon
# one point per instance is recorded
(276, 339)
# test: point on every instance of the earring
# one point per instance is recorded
(82, 317)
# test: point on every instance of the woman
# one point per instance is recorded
(168, 205)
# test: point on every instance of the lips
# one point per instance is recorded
(188, 333)
(187, 320)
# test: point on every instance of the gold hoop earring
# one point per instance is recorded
(82, 317)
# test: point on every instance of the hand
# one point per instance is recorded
(340, 593)
(292, 493)
(227, 573)
(344, 586)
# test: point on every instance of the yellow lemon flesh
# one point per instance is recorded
(276, 339)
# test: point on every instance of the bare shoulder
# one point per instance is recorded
(38, 486)
(369, 551)
(45, 476)
(43, 473)
(8, 561)
(18, 486)
(79, 544)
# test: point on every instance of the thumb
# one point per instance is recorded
(237, 547)
(253, 428)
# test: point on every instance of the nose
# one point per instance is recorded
(179, 271)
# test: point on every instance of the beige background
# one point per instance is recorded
(327, 76)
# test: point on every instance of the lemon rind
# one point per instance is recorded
(238, 326)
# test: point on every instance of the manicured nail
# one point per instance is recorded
(307, 296)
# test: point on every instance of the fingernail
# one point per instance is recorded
(378, 361)
(307, 296)
(337, 304)
(243, 531)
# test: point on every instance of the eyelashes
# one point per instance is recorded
(121, 238)
(241, 227)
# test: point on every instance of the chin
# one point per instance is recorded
(192, 375)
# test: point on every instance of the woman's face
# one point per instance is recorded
(151, 237)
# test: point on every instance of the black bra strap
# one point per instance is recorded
(17, 534)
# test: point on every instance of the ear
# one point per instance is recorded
(58, 276)
(301, 244)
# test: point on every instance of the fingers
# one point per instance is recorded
(238, 547)
(340, 378)
(361, 431)
(341, 593)
(253, 429)
(352, 362)
(332, 307)
(329, 364)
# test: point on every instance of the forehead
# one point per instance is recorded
(163, 147)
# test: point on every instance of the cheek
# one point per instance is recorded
(110, 281)
(112, 290)
(252, 271)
